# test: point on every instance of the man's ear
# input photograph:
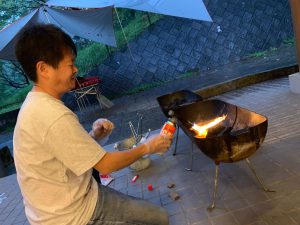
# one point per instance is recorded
(42, 69)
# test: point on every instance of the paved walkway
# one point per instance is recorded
(240, 199)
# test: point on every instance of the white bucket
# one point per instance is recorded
(295, 82)
(128, 143)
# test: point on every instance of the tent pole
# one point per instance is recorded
(44, 11)
(126, 40)
(295, 9)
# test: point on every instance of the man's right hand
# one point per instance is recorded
(101, 128)
(158, 143)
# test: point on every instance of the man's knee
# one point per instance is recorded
(161, 217)
(165, 217)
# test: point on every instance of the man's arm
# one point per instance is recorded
(113, 161)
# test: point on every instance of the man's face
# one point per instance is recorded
(63, 77)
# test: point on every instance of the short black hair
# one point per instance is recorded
(42, 42)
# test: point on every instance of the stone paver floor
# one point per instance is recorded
(240, 199)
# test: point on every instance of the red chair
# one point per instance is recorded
(89, 86)
(82, 82)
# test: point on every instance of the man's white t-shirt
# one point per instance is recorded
(54, 156)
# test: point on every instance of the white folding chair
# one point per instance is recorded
(89, 86)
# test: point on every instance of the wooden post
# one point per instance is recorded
(295, 9)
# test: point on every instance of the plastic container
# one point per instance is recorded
(129, 143)
(295, 82)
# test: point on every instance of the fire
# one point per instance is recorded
(203, 130)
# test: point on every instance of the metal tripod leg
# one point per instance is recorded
(177, 131)
(213, 205)
(257, 177)
(191, 158)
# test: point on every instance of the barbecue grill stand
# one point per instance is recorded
(171, 115)
(235, 139)
(257, 177)
(170, 101)
(176, 139)
(191, 158)
(213, 204)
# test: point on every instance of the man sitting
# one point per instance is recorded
(54, 155)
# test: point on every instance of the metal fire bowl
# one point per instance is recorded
(236, 138)
(127, 144)
(173, 100)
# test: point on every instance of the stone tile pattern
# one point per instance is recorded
(11, 202)
(127, 107)
(173, 46)
(240, 199)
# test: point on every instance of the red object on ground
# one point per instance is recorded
(134, 178)
(106, 179)
(150, 187)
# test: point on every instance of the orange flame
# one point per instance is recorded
(203, 130)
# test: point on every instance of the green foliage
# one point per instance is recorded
(147, 86)
(15, 99)
(273, 49)
(257, 54)
(11, 74)
(89, 57)
(13, 9)
(133, 29)
(90, 54)
(150, 85)
(142, 87)
(8, 128)
(95, 53)
(11, 98)
(125, 16)
(289, 41)
(189, 73)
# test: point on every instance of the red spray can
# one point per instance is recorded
(168, 128)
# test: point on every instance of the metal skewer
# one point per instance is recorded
(139, 126)
(148, 133)
(132, 130)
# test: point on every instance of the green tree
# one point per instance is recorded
(11, 74)
(10, 10)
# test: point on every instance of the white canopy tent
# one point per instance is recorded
(92, 24)
(95, 21)
(192, 9)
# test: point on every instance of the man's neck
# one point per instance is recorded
(41, 88)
